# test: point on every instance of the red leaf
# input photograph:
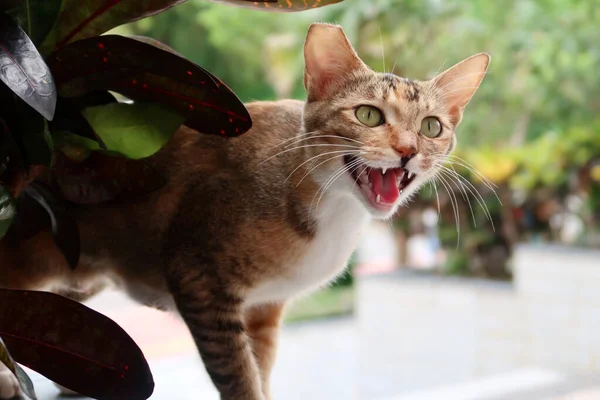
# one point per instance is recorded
(81, 19)
(279, 5)
(67, 342)
(144, 72)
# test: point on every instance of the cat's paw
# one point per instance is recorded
(66, 392)
(9, 385)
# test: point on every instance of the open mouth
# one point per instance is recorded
(380, 186)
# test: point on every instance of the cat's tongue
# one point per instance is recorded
(384, 185)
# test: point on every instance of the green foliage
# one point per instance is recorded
(133, 130)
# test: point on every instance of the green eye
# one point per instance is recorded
(370, 116)
(431, 127)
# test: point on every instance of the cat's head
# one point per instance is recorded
(379, 137)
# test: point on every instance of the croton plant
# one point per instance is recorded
(84, 105)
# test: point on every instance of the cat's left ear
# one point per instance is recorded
(330, 59)
(458, 84)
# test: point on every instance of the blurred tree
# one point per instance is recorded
(532, 124)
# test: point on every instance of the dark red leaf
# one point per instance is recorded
(104, 178)
(23, 69)
(144, 72)
(80, 19)
(64, 226)
(73, 345)
(279, 5)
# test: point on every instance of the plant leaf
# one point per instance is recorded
(28, 129)
(64, 226)
(103, 178)
(73, 345)
(144, 72)
(8, 210)
(82, 19)
(23, 70)
(24, 381)
(36, 17)
(135, 130)
(279, 5)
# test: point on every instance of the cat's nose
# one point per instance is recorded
(405, 152)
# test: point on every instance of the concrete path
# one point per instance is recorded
(317, 360)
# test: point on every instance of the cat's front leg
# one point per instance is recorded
(9, 385)
(214, 315)
(263, 323)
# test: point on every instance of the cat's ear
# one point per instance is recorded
(458, 84)
(329, 59)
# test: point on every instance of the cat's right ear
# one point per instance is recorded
(329, 60)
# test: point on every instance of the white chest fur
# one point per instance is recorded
(340, 222)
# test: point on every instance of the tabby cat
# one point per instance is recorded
(245, 224)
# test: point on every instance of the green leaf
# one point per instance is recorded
(144, 72)
(24, 70)
(24, 381)
(8, 210)
(279, 5)
(36, 17)
(73, 345)
(134, 130)
(81, 19)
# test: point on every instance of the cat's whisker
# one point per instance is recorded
(454, 203)
(339, 172)
(382, 49)
(463, 192)
(394, 66)
(440, 68)
(488, 185)
(340, 153)
(347, 146)
(455, 160)
(318, 165)
(335, 176)
(473, 190)
(437, 196)
(295, 137)
(358, 177)
(325, 137)
(465, 164)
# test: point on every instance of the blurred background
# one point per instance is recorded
(487, 286)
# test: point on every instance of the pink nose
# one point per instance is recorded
(405, 151)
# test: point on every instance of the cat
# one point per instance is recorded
(245, 224)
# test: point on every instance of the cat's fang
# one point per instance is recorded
(384, 170)
(378, 199)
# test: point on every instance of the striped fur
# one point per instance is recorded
(245, 224)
